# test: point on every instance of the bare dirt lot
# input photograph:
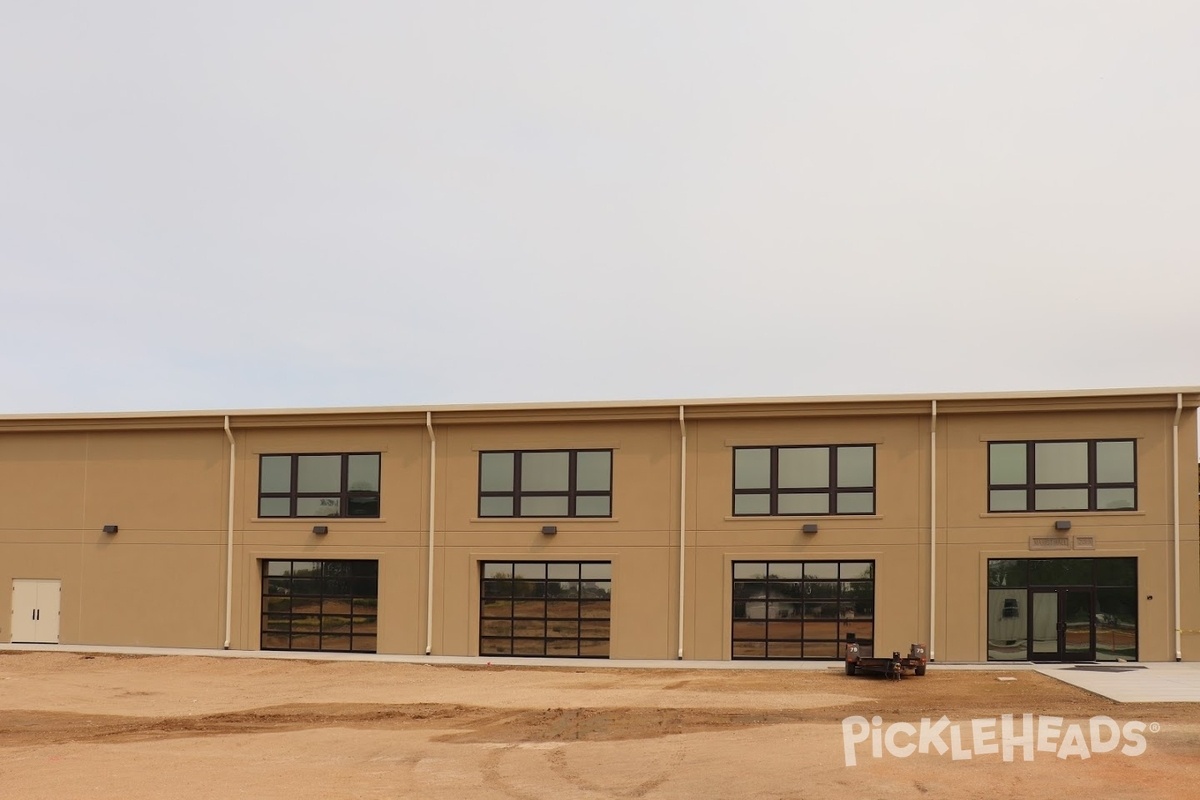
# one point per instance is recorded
(75, 726)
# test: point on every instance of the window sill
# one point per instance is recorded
(545, 520)
(1057, 514)
(802, 517)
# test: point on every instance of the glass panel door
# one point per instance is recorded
(1061, 625)
(1043, 623)
(1076, 628)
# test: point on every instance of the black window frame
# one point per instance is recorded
(345, 494)
(1031, 486)
(360, 593)
(572, 493)
(833, 490)
(825, 648)
(534, 591)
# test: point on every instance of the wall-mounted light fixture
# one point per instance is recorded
(320, 530)
(1062, 525)
(110, 529)
(809, 527)
(549, 530)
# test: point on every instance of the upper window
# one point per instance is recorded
(804, 480)
(1062, 476)
(546, 483)
(319, 485)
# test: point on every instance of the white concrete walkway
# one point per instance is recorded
(1125, 683)
(1134, 683)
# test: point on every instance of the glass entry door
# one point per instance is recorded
(1061, 625)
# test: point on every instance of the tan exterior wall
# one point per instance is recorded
(638, 539)
(160, 580)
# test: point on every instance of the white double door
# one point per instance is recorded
(35, 607)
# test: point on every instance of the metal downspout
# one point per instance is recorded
(229, 538)
(932, 528)
(1175, 519)
(682, 519)
(429, 577)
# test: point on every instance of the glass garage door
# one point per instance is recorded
(802, 609)
(545, 608)
(320, 605)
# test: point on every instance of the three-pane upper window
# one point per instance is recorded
(1094, 475)
(319, 485)
(545, 483)
(804, 480)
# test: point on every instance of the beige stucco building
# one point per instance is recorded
(1034, 526)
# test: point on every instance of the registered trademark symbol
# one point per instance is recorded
(1155, 727)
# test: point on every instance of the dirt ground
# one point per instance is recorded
(83, 726)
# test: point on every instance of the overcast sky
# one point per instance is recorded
(281, 204)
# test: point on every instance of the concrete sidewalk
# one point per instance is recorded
(1125, 683)
(480, 661)
(1133, 683)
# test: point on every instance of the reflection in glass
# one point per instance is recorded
(1008, 500)
(537, 571)
(759, 504)
(857, 570)
(364, 473)
(821, 570)
(1075, 609)
(588, 506)
(780, 605)
(1116, 623)
(1114, 462)
(562, 589)
(1007, 463)
(785, 570)
(496, 472)
(274, 506)
(324, 606)
(563, 570)
(855, 503)
(856, 467)
(495, 506)
(749, 569)
(806, 503)
(497, 569)
(318, 506)
(785, 649)
(822, 650)
(544, 472)
(577, 592)
(593, 470)
(364, 506)
(1060, 462)
(1060, 572)
(1122, 499)
(752, 468)
(275, 474)
(533, 506)
(1007, 572)
(319, 474)
(595, 570)
(1007, 625)
(1116, 571)
(803, 467)
(1045, 623)
(1060, 499)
